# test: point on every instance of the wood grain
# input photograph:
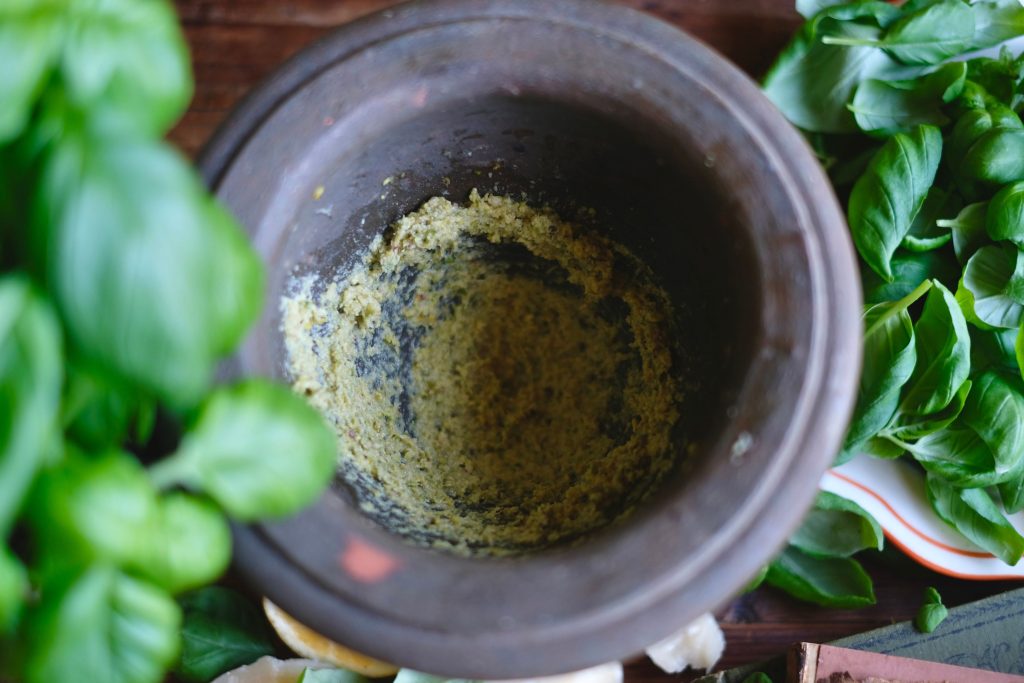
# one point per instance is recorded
(237, 43)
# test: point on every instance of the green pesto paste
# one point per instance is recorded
(499, 380)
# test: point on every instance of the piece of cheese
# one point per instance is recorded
(699, 644)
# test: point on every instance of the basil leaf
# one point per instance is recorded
(888, 107)
(99, 410)
(811, 82)
(907, 426)
(929, 35)
(330, 676)
(30, 39)
(995, 410)
(30, 382)
(1005, 217)
(958, 455)
(832, 582)
(808, 8)
(128, 57)
(257, 449)
(996, 158)
(757, 580)
(13, 589)
(885, 200)
(124, 227)
(973, 514)
(943, 354)
(190, 544)
(1011, 493)
(996, 21)
(994, 276)
(968, 229)
(101, 625)
(1018, 348)
(889, 358)
(999, 77)
(932, 612)
(99, 507)
(837, 527)
(222, 630)
(758, 677)
(909, 270)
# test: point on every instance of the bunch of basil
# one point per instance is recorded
(927, 149)
(122, 282)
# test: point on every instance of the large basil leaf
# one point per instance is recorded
(996, 158)
(958, 455)
(885, 200)
(128, 57)
(124, 227)
(101, 625)
(190, 544)
(973, 514)
(100, 507)
(257, 449)
(832, 581)
(929, 35)
(811, 82)
(968, 230)
(994, 277)
(30, 384)
(995, 410)
(1004, 219)
(889, 358)
(222, 630)
(943, 354)
(908, 426)
(13, 590)
(30, 38)
(1011, 493)
(887, 107)
(837, 527)
(996, 21)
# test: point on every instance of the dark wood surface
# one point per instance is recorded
(236, 43)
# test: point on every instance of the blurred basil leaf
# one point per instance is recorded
(31, 369)
(189, 545)
(101, 625)
(13, 590)
(153, 279)
(31, 34)
(257, 449)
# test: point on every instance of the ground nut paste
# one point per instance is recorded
(499, 380)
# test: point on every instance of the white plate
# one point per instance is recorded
(893, 492)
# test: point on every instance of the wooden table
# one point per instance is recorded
(236, 43)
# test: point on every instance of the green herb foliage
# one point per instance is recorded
(222, 630)
(932, 612)
(937, 216)
(123, 283)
